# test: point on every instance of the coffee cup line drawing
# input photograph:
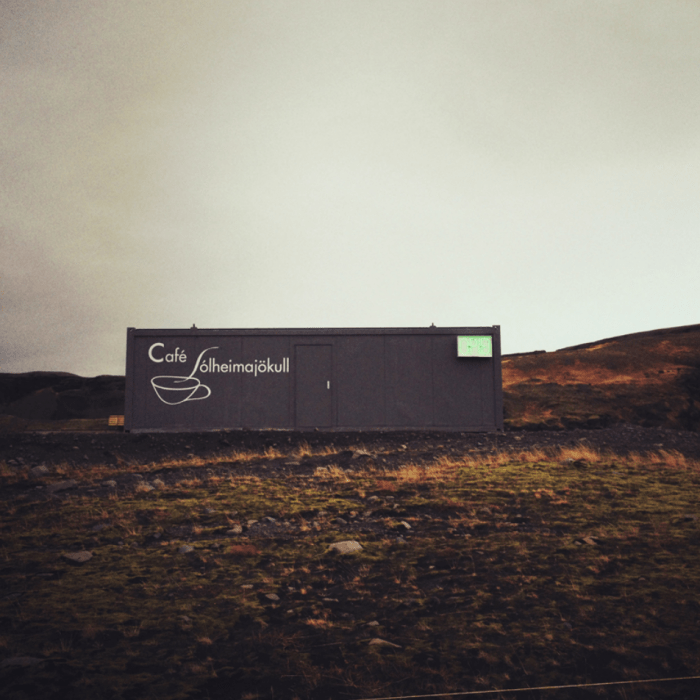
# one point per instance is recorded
(174, 390)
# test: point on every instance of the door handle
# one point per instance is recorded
(328, 384)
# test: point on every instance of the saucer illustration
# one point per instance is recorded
(175, 390)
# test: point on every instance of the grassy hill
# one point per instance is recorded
(650, 379)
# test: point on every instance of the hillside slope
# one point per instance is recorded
(649, 379)
(58, 396)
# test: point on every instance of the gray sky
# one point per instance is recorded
(344, 163)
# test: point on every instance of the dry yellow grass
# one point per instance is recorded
(303, 449)
(332, 471)
(241, 456)
(448, 468)
(674, 460)
(319, 623)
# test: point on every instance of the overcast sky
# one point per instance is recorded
(344, 163)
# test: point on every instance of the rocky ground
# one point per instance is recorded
(116, 447)
(212, 565)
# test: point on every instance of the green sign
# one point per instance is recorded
(474, 346)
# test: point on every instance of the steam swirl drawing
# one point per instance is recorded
(175, 390)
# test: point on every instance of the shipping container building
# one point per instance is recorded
(303, 379)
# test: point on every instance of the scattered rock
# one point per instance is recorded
(235, 530)
(110, 484)
(78, 557)
(345, 547)
(405, 525)
(382, 642)
(272, 596)
(360, 453)
(186, 549)
(39, 470)
(62, 485)
(158, 483)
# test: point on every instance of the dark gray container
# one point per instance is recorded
(330, 379)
